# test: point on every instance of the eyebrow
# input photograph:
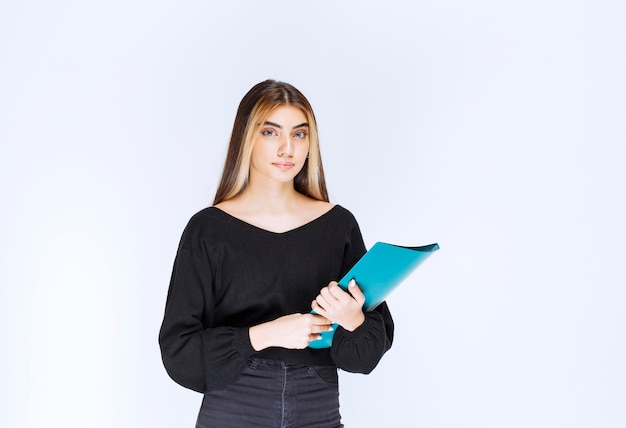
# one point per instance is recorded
(268, 123)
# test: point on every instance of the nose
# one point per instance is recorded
(286, 147)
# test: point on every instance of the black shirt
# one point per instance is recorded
(230, 275)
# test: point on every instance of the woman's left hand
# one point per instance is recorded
(339, 306)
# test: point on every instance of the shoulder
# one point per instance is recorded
(206, 217)
(340, 212)
(339, 222)
(204, 226)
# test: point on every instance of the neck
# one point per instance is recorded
(270, 198)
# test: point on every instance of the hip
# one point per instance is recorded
(270, 393)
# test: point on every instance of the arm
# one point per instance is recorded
(293, 331)
(196, 356)
(361, 350)
(198, 352)
(361, 338)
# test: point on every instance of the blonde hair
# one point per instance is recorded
(253, 109)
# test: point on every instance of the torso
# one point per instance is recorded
(254, 275)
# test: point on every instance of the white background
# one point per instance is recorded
(495, 128)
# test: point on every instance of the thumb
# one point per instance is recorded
(356, 292)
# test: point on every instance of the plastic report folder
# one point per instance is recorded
(378, 273)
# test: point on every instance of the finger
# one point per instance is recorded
(332, 290)
(314, 337)
(356, 292)
(322, 302)
(325, 294)
(322, 328)
(337, 292)
(320, 320)
(318, 309)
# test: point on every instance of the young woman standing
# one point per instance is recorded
(250, 269)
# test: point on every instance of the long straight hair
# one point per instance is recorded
(253, 109)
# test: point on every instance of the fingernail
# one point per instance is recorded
(352, 283)
(330, 328)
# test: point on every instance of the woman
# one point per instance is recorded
(250, 269)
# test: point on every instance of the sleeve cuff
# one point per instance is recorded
(360, 331)
(241, 342)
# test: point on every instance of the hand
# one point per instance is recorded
(293, 331)
(342, 307)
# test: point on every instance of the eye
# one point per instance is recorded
(268, 133)
(300, 134)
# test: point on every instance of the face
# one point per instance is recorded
(280, 146)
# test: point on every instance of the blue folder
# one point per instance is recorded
(377, 274)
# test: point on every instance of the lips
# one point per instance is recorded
(283, 165)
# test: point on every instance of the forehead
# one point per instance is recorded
(287, 115)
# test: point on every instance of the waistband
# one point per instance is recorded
(296, 357)
(268, 364)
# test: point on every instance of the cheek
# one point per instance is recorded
(305, 148)
(260, 150)
(257, 159)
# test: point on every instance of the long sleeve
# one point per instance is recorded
(194, 356)
(361, 350)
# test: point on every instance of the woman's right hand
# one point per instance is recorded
(293, 331)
